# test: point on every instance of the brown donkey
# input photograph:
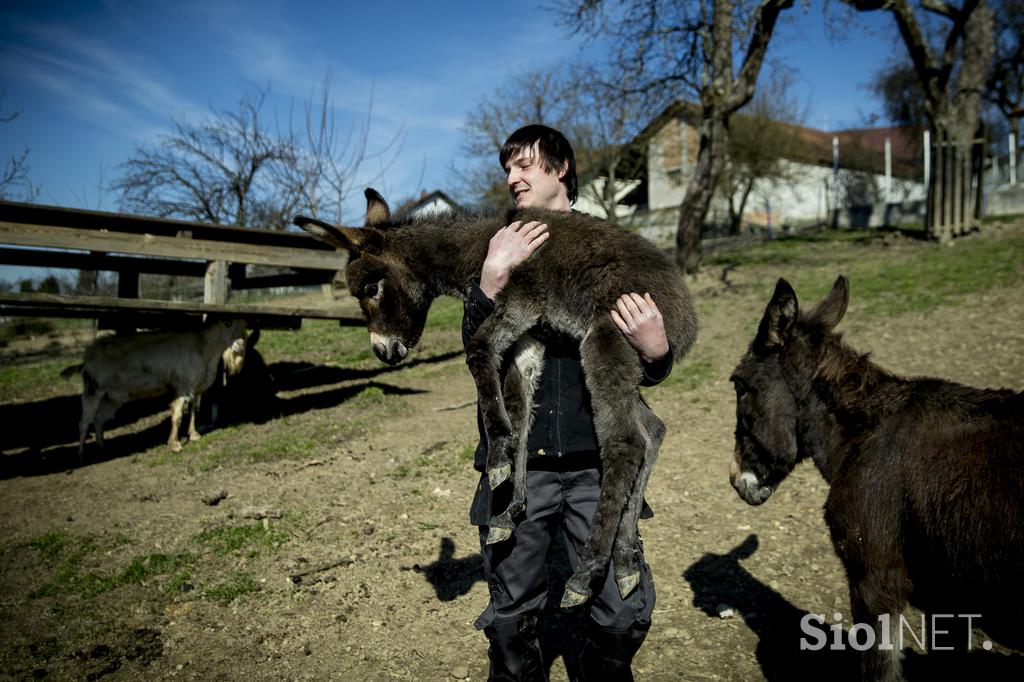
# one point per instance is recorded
(926, 497)
(569, 285)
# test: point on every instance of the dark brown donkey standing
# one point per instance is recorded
(926, 497)
(569, 285)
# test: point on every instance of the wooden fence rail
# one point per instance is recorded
(54, 237)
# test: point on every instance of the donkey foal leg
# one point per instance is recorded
(612, 369)
(504, 327)
(193, 408)
(91, 404)
(624, 553)
(878, 591)
(620, 461)
(520, 385)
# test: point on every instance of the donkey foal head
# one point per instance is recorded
(772, 382)
(394, 301)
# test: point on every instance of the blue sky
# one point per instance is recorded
(95, 80)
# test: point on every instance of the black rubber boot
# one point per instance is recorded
(606, 655)
(515, 652)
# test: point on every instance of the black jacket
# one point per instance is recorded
(563, 424)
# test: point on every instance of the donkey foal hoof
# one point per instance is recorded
(499, 475)
(571, 598)
(495, 535)
(627, 583)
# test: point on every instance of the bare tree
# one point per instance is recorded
(234, 167)
(897, 86)
(14, 177)
(1006, 82)
(327, 168)
(606, 127)
(223, 169)
(685, 49)
(762, 136)
(952, 78)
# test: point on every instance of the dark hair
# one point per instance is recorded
(554, 150)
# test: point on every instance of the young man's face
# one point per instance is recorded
(533, 186)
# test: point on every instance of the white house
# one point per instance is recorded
(844, 170)
(427, 204)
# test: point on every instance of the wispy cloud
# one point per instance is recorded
(95, 82)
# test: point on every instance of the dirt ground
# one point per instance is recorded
(371, 503)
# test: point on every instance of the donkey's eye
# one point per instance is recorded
(370, 290)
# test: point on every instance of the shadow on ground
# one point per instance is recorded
(43, 435)
(720, 579)
(559, 630)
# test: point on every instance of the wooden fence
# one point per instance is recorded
(54, 237)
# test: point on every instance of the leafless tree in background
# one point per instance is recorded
(14, 178)
(234, 167)
(763, 135)
(328, 169)
(952, 79)
(684, 50)
(1006, 82)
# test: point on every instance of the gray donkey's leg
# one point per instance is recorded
(483, 354)
(624, 557)
(520, 385)
(612, 371)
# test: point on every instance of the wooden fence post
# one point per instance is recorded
(215, 284)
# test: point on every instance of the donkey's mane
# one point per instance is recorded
(445, 216)
(850, 380)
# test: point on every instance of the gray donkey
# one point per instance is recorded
(570, 284)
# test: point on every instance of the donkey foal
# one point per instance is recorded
(926, 494)
(568, 285)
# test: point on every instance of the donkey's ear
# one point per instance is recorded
(377, 211)
(830, 310)
(779, 318)
(353, 239)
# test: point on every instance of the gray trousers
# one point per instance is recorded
(516, 570)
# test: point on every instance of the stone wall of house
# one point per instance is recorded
(1004, 200)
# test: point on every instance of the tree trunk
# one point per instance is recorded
(700, 190)
(723, 95)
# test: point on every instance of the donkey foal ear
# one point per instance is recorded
(779, 318)
(353, 239)
(830, 310)
(377, 211)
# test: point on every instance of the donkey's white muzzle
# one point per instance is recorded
(388, 349)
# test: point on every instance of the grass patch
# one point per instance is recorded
(909, 276)
(67, 556)
(690, 374)
(439, 458)
(253, 538)
(445, 314)
(319, 341)
(238, 585)
(19, 381)
(283, 440)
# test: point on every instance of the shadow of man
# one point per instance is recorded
(720, 579)
(450, 577)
